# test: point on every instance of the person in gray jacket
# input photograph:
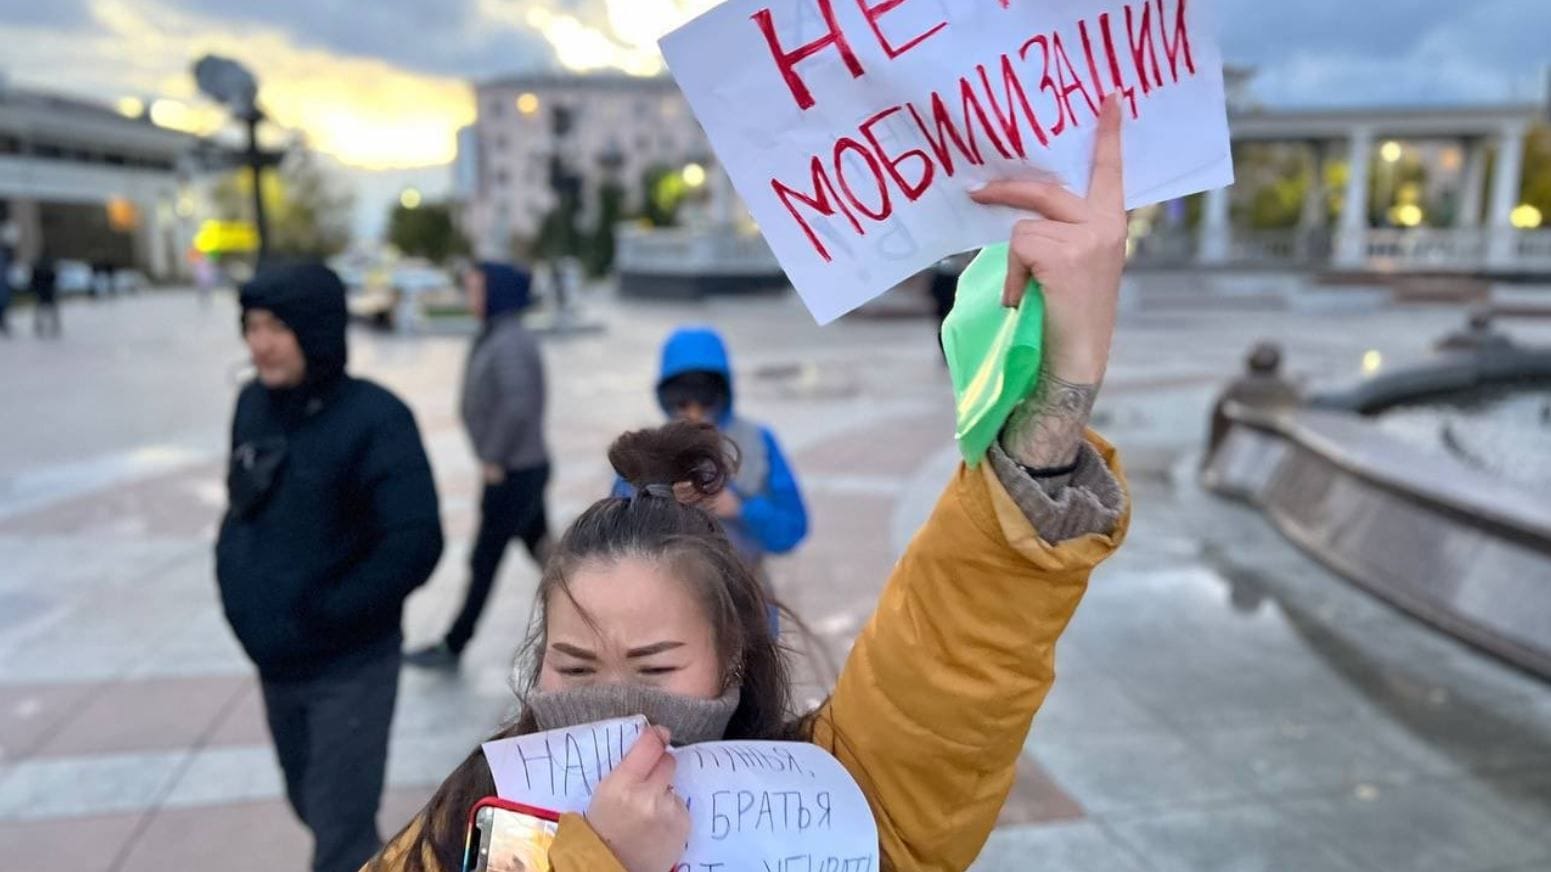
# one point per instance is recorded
(503, 411)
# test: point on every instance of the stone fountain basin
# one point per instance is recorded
(1464, 549)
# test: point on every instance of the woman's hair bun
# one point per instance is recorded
(677, 453)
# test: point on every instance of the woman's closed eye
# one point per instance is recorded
(576, 662)
(649, 654)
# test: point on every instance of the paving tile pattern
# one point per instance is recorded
(1222, 703)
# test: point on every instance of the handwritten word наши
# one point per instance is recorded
(583, 762)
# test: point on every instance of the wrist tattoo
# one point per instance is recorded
(1046, 429)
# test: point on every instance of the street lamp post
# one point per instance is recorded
(567, 185)
(256, 168)
(567, 188)
(232, 85)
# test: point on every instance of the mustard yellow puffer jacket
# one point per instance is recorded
(936, 698)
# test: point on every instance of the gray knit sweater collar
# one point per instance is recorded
(689, 720)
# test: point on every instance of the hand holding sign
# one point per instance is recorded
(635, 810)
(1028, 376)
(1076, 252)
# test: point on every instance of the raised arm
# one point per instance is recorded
(935, 701)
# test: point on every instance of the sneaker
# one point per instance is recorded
(438, 656)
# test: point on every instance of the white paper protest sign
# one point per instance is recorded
(854, 128)
(777, 806)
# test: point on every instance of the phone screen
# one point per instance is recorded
(510, 841)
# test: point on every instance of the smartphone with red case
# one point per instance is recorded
(508, 837)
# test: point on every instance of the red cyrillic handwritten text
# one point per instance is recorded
(1015, 103)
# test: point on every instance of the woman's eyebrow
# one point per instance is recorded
(649, 650)
(573, 651)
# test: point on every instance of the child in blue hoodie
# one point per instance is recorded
(762, 511)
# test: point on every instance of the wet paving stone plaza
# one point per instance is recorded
(1223, 701)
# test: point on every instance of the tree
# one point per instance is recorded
(427, 231)
(662, 191)
(1272, 181)
(1537, 169)
(599, 254)
(1395, 184)
(559, 234)
(309, 216)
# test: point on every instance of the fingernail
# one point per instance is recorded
(664, 733)
(978, 187)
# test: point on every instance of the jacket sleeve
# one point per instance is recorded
(477, 409)
(578, 849)
(776, 517)
(239, 419)
(242, 412)
(515, 395)
(231, 433)
(399, 495)
(935, 701)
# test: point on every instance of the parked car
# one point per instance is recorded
(128, 281)
(72, 277)
(372, 304)
(75, 277)
(417, 278)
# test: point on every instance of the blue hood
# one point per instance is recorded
(507, 290)
(696, 349)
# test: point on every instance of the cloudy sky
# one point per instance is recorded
(380, 84)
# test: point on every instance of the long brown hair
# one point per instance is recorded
(693, 461)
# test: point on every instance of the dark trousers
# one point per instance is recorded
(46, 310)
(331, 734)
(509, 510)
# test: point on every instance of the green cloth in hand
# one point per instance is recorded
(993, 352)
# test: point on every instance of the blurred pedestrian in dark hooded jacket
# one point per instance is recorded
(503, 411)
(44, 284)
(332, 522)
(5, 288)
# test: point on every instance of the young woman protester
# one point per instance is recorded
(645, 607)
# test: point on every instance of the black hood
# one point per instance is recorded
(310, 299)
